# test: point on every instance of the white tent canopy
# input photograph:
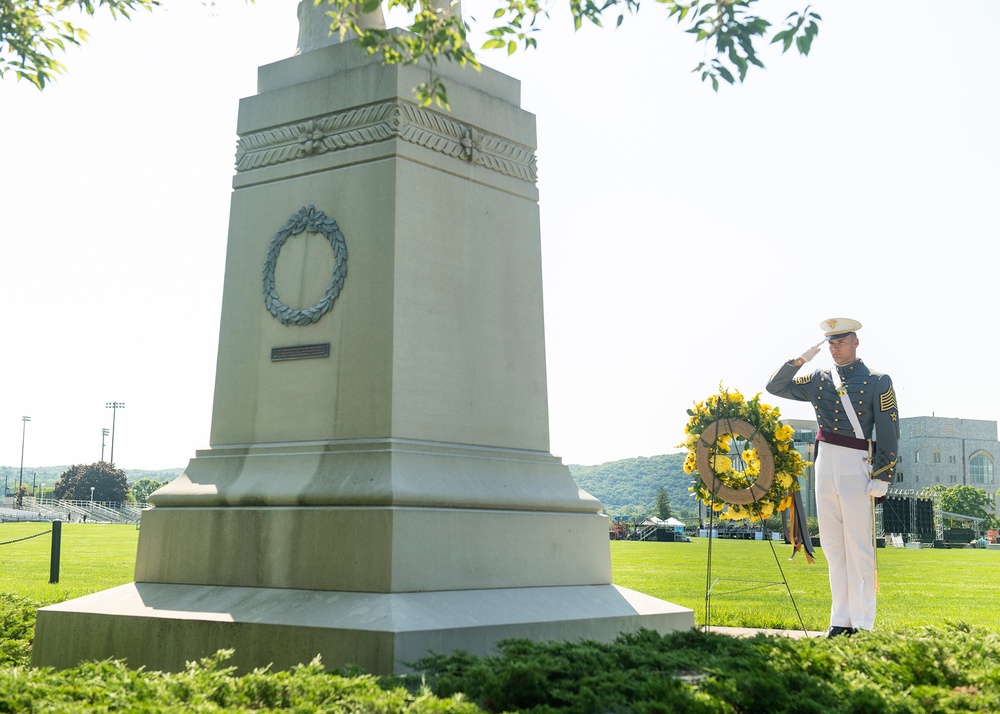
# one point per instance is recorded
(654, 521)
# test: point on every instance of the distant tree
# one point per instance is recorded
(967, 501)
(140, 490)
(109, 483)
(19, 495)
(663, 504)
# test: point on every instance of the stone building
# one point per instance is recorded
(952, 452)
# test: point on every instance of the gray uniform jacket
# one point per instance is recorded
(873, 399)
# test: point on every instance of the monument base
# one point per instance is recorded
(163, 626)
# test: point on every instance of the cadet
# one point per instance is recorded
(854, 405)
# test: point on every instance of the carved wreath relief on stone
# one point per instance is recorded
(310, 220)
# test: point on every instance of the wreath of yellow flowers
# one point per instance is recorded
(740, 456)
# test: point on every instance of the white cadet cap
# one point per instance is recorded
(837, 326)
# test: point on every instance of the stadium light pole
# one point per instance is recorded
(104, 433)
(114, 407)
(24, 426)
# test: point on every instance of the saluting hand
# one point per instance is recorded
(808, 354)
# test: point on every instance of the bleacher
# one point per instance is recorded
(71, 511)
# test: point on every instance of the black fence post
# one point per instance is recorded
(56, 544)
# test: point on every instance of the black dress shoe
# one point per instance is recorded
(837, 630)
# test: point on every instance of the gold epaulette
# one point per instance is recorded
(804, 379)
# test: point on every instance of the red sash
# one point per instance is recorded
(849, 441)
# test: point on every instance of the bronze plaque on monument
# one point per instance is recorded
(281, 354)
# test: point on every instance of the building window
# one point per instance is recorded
(953, 478)
(916, 456)
(952, 459)
(899, 477)
(918, 429)
(937, 457)
(981, 468)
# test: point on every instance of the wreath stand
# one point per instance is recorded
(743, 497)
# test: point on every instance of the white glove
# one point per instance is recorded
(877, 488)
(811, 352)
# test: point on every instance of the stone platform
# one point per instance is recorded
(163, 626)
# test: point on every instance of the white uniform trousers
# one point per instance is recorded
(845, 532)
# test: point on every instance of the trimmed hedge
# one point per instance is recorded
(930, 669)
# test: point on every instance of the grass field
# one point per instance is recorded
(918, 587)
(93, 557)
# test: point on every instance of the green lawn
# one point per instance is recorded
(918, 587)
(900, 668)
(93, 557)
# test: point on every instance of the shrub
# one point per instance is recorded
(929, 670)
(17, 627)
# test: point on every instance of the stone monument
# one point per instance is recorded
(379, 483)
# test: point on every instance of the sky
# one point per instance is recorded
(689, 238)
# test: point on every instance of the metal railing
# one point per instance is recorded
(71, 511)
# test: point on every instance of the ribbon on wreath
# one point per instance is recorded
(793, 520)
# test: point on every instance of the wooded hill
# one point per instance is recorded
(629, 487)
(626, 487)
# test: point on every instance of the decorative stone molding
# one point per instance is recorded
(312, 221)
(380, 122)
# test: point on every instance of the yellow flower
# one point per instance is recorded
(784, 480)
(784, 433)
(718, 506)
(737, 513)
(786, 502)
(721, 464)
